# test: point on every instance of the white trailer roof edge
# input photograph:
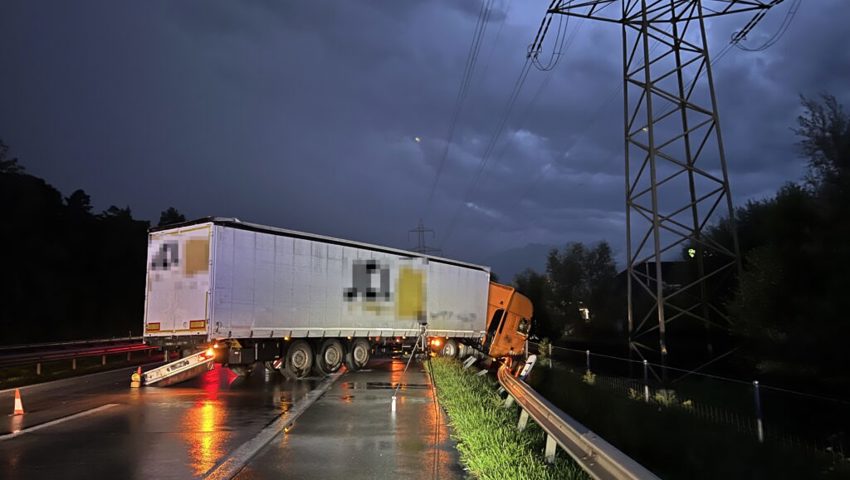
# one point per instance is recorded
(236, 223)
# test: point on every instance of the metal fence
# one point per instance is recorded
(808, 423)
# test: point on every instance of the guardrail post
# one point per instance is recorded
(523, 420)
(128, 356)
(73, 364)
(759, 426)
(150, 352)
(588, 360)
(103, 359)
(550, 350)
(38, 368)
(165, 355)
(551, 448)
(646, 381)
(509, 401)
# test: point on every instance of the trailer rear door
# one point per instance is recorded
(178, 282)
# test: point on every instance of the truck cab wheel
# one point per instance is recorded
(329, 357)
(450, 348)
(358, 353)
(299, 359)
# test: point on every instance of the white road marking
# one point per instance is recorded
(51, 423)
(240, 457)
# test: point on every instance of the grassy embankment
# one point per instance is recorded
(489, 443)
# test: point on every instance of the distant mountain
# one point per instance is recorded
(507, 263)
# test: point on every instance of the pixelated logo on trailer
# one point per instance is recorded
(371, 287)
(196, 258)
(362, 274)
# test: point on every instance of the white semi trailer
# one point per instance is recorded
(303, 302)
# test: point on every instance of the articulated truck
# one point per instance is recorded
(251, 294)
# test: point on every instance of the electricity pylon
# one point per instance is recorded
(676, 179)
(420, 232)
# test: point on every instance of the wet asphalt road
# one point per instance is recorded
(352, 432)
(182, 431)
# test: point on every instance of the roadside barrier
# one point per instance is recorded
(598, 458)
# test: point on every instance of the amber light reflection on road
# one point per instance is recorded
(201, 426)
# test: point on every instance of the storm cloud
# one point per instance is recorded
(306, 115)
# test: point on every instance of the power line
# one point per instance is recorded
(534, 50)
(482, 164)
(786, 23)
(495, 42)
(472, 58)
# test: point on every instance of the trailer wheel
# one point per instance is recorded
(299, 359)
(329, 357)
(450, 348)
(358, 354)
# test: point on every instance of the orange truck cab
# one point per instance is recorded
(509, 321)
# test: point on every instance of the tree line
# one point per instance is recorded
(789, 309)
(67, 272)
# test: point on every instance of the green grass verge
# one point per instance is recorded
(488, 441)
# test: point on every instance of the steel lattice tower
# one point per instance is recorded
(676, 178)
(421, 246)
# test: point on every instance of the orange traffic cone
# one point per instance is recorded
(19, 406)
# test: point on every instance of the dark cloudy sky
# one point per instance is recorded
(303, 114)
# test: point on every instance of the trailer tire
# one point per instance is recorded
(299, 359)
(450, 348)
(357, 355)
(329, 357)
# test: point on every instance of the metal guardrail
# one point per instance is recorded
(598, 458)
(42, 353)
(71, 343)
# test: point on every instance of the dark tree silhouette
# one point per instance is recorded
(535, 286)
(577, 277)
(67, 274)
(8, 165)
(791, 302)
(79, 201)
(169, 216)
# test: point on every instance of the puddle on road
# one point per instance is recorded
(385, 386)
